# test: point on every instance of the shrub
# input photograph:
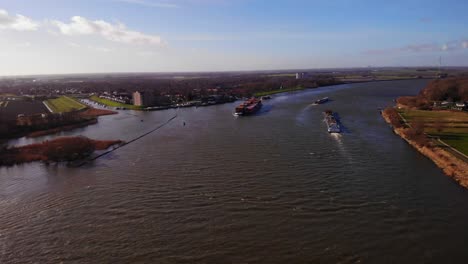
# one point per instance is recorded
(394, 117)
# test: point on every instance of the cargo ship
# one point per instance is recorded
(250, 106)
(332, 123)
(321, 101)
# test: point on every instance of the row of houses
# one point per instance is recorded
(461, 106)
(145, 99)
(120, 98)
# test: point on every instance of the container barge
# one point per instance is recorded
(333, 125)
(321, 101)
(249, 107)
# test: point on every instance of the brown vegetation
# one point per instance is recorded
(94, 112)
(452, 166)
(60, 149)
(414, 133)
(451, 89)
(417, 102)
(393, 117)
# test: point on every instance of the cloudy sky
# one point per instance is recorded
(64, 36)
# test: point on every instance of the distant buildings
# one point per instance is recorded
(301, 75)
(462, 106)
(142, 99)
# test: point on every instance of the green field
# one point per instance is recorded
(278, 91)
(450, 127)
(64, 104)
(113, 103)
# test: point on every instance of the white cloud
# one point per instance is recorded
(100, 49)
(17, 22)
(24, 45)
(73, 44)
(149, 4)
(113, 32)
(450, 46)
(147, 53)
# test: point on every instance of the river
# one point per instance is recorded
(269, 188)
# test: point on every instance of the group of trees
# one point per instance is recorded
(60, 149)
(451, 89)
(418, 102)
(394, 117)
(27, 124)
(416, 134)
(66, 149)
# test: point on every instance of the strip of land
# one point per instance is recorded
(64, 104)
(58, 150)
(111, 103)
(441, 134)
(260, 94)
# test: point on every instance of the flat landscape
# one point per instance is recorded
(64, 104)
(11, 109)
(113, 103)
(450, 126)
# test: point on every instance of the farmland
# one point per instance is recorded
(64, 104)
(451, 127)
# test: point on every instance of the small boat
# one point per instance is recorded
(266, 97)
(323, 100)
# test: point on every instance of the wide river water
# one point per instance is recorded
(269, 188)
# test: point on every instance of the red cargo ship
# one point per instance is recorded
(251, 106)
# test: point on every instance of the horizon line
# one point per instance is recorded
(223, 71)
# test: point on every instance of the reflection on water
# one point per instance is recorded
(270, 188)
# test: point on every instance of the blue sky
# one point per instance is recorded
(60, 36)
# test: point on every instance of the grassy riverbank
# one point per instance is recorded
(111, 103)
(453, 165)
(278, 91)
(450, 126)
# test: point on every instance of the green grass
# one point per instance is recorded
(454, 126)
(278, 91)
(64, 104)
(458, 141)
(113, 103)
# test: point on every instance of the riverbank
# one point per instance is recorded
(57, 150)
(71, 120)
(451, 165)
(260, 94)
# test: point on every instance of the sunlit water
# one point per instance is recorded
(269, 188)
